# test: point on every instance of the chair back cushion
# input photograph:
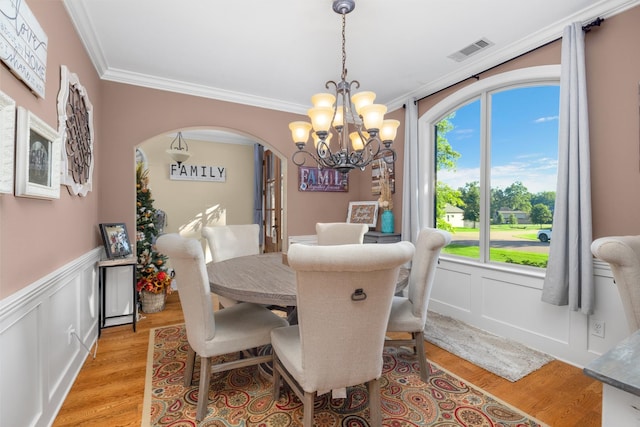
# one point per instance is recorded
(423, 268)
(187, 259)
(623, 255)
(340, 233)
(344, 296)
(232, 241)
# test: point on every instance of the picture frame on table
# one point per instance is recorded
(116, 240)
(37, 157)
(7, 142)
(363, 213)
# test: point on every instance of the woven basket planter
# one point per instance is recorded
(152, 303)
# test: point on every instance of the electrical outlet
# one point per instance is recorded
(70, 332)
(597, 328)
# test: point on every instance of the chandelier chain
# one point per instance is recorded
(344, 48)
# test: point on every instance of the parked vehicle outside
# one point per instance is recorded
(544, 235)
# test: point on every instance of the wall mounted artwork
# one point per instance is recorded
(37, 157)
(7, 142)
(23, 44)
(75, 125)
(313, 178)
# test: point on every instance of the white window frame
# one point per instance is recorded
(539, 75)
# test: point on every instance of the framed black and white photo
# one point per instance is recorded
(116, 240)
(363, 213)
(37, 157)
(7, 142)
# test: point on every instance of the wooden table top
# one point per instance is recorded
(262, 279)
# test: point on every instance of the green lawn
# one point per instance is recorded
(500, 255)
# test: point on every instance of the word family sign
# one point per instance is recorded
(23, 44)
(317, 179)
(183, 172)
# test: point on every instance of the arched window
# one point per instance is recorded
(493, 166)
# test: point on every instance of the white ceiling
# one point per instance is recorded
(276, 54)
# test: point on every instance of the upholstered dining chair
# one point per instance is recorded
(340, 233)
(409, 314)
(232, 241)
(343, 298)
(623, 255)
(210, 333)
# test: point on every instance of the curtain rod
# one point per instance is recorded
(586, 28)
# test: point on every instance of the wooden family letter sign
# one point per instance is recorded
(316, 179)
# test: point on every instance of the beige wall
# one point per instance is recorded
(189, 205)
(39, 236)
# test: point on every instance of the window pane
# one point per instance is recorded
(458, 179)
(524, 158)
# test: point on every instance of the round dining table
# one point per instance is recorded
(263, 279)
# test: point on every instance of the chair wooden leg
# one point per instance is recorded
(308, 408)
(276, 378)
(422, 358)
(203, 391)
(375, 403)
(188, 369)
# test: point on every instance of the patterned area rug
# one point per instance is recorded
(242, 397)
(501, 356)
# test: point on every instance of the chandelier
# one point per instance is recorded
(177, 152)
(362, 134)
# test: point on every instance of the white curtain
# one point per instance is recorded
(411, 198)
(569, 278)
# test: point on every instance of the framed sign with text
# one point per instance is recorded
(312, 178)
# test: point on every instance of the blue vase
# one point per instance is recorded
(387, 221)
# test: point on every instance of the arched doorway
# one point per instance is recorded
(251, 191)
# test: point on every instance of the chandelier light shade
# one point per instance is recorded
(179, 150)
(362, 134)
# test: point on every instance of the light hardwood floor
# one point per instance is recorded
(109, 389)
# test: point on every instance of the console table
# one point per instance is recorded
(102, 280)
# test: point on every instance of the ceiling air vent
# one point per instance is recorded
(472, 49)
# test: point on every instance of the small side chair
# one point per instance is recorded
(409, 314)
(340, 233)
(243, 326)
(344, 297)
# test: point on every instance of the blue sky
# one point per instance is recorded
(524, 140)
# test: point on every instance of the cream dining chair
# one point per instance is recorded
(340, 233)
(409, 314)
(623, 255)
(231, 241)
(210, 333)
(343, 298)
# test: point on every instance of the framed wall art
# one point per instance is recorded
(75, 125)
(312, 178)
(363, 213)
(7, 142)
(37, 157)
(116, 240)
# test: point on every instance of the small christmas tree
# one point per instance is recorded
(151, 270)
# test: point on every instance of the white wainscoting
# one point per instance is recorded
(506, 302)
(38, 364)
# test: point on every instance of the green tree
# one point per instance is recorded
(446, 158)
(547, 198)
(540, 214)
(513, 219)
(517, 197)
(445, 194)
(470, 195)
(150, 262)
